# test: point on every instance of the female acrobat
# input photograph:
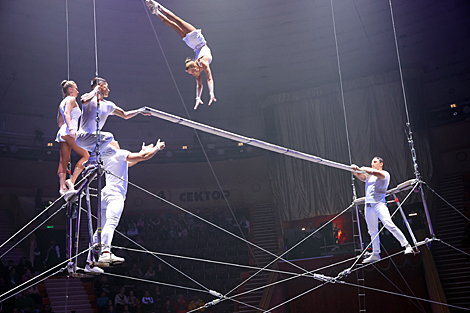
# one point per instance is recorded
(195, 40)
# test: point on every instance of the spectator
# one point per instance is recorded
(102, 302)
(52, 255)
(47, 309)
(102, 286)
(126, 309)
(23, 265)
(27, 275)
(132, 302)
(120, 300)
(25, 304)
(181, 305)
(38, 264)
(147, 302)
(160, 274)
(12, 276)
(158, 297)
(245, 226)
(166, 308)
(196, 303)
(33, 293)
(150, 275)
(135, 271)
(110, 309)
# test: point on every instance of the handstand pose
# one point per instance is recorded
(195, 40)
(67, 120)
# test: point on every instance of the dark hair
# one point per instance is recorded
(96, 81)
(66, 84)
(378, 158)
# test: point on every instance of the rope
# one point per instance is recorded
(96, 39)
(28, 281)
(453, 207)
(67, 28)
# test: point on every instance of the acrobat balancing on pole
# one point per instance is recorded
(377, 181)
(195, 40)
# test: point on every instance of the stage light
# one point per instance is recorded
(185, 148)
(413, 214)
(303, 228)
(453, 105)
(49, 144)
(240, 144)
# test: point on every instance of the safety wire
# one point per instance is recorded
(96, 38)
(67, 28)
(33, 280)
(195, 131)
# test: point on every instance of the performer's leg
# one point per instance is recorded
(115, 206)
(84, 155)
(384, 216)
(64, 154)
(185, 27)
(373, 228)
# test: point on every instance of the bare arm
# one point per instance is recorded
(146, 153)
(210, 80)
(85, 98)
(361, 176)
(198, 91)
(371, 171)
(69, 105)
(128, 114)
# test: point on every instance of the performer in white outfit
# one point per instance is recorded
(86, 136)
(113, 196)
(377, 181)
(195, 40)
(67, 120)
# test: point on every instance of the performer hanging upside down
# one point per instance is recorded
(67, 120)
(86, 136)
(195, 40)
(113, 196)
(377, 181)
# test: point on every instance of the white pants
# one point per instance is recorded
(87, 141)
(377, 211)
(112, 205)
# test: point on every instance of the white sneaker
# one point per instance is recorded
(408, 249)
(373, 257)
(95, 270)
(109, 258)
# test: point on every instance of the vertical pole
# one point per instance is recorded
(405, 220)
(77, 231)
(99, 172)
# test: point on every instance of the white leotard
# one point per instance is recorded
(75, 115)
(196, 41)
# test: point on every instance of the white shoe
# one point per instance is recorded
(152, 5)
(373, 257)
(109, 258)
(408, 249)
(69, 195)
(95, 270)
(69, 184)
(62, 192)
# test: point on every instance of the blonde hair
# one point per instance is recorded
(66, 84)
(190, 63)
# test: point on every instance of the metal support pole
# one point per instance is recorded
(405, 220)
(426, 210)
(77, 231)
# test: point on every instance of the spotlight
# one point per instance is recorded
(240, 144)
(185, 148)
(413, 214)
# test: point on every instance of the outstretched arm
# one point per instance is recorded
(371, 171)
(210, 80)
(146, 153)
(128, 114)
(361, 176)
(198, 91)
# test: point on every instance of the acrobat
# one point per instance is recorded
(195, 40)
(377, 181)
(117, 161)
(67, 119)
(87, 134)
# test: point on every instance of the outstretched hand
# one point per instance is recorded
(213, 99)
(160, 145)
(198, 102)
